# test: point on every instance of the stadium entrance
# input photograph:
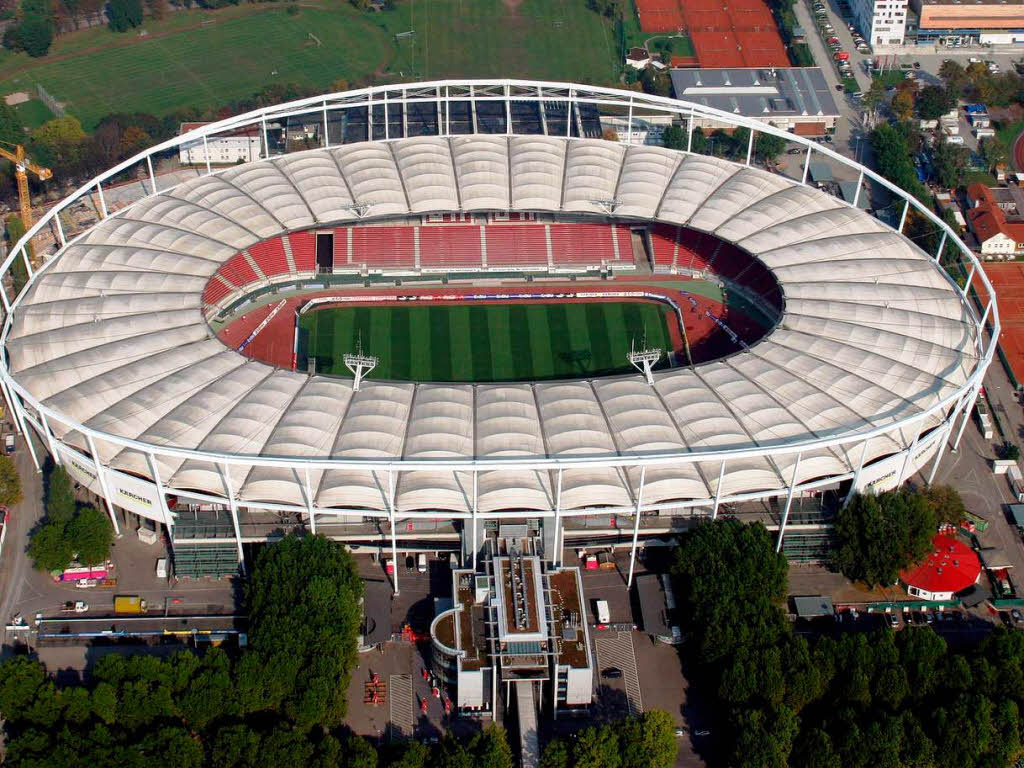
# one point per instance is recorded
(324, 253)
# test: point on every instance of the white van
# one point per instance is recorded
(603, 615)
(421, 562)
(161, 568)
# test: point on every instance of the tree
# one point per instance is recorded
(875, 95)
(903, 103)
(60, 496)
(303, 601)
(934, 101)
(724, 610)
(597, 747)
(659, 745)
(946, 503)
(767, 146)
(10, 483)
(674, 137)
(49, 548)
(58, 143)
(993, 151)
(555, 755)
(90, 535)
(11, 129)
(950, 163)
(19, 272)
(490, 748)
(358, 753)
(656, 83)
(124, 14)
(955, 76)
(1009, 451)
(878, 536)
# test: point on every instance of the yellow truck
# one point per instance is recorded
(128, 604)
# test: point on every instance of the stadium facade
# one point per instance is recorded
(871, 369)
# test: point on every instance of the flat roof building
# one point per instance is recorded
(979, 22)
(796, 99)
(514, 620)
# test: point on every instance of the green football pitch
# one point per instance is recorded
(485, 342)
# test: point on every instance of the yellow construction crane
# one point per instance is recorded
(21, 165)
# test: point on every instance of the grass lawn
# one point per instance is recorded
(33, 113)
(208, 58)
(485, 342)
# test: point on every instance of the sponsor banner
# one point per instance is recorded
(81, 469)
(135, 495)
(884, 475)
(130, 493)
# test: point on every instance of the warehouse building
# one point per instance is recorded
(795, 99)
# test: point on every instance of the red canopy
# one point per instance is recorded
(951, 567)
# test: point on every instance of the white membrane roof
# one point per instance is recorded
(112, 336)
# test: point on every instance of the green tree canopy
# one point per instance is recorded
(49, 548)
(10, 483)
(304, 606)
(90, 535)
(60, 496)
(878, 536)
(933, 101)
(767, 146)
(714, 567)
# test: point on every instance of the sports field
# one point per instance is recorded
(485, 342)
(203, 58)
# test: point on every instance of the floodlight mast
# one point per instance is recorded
(644, 360)
(359, 364)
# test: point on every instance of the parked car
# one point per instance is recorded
(1016, 616)
(611, 673)
(928, 618)
(75, 606)
(86, 583)
(894, 620)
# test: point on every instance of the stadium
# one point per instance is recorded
(432, 309)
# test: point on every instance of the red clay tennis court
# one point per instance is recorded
(741, 33)
(1008, 280)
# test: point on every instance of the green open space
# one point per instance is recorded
(485, 342)
(206, 58)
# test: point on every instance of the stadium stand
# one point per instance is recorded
(217, 289)
(452, 245)
(270, 257)
(664, 242)
(239, 271)
(517, 246)
(303, 245)
(589, 244)
(384, 247)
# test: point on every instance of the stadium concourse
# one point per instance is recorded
(868, 356)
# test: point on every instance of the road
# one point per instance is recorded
(15, 565)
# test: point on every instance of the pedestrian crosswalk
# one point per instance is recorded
(401, 707)
(616, 650)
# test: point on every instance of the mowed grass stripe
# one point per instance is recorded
(616, 335)
(419, 333)
(479, 320)
(502, 366)
(462, 343)
(441, 344)
(581, 351)
(522, 350)
(400, 351)
(597, 323)
(558, 323)
(539, 320)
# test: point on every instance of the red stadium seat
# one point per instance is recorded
(384, 247)
(452, 245)
(239, 271)
(270, 257)
(520, 245)
(303, 245)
